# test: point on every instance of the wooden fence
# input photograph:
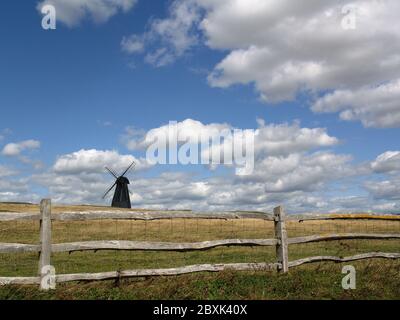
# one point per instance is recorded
(281, 242)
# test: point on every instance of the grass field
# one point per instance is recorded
(375, 279)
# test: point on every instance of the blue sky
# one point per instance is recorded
(77, 88)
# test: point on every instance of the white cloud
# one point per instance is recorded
(74, 188)
(94, 161)
(16, 189)
(184, 191)
(283, 139)
(80, 177)
(15, 149)
(173, 36)
(300, 172)
(174, 190)
(132, 44)
(292, 168)
(387, 162)
(271, 139)
(72, 12)
(375, 107)
(285, 49)
(6, 172)
(289, 161)
(139, 139)
(386, 189)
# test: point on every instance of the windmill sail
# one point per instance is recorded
(112, 173)
(106, 193)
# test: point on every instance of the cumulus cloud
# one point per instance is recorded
(16, 189)
(74, 188)
(15, 149)
(94, 161)
(283, 139)
(285, 49)
(388, 162)
(289, 162)
(183, 191)
(80, 177)
(373, 106)
(386, 189)
(139, 139)
(169, 38)
(300, 172)
(291, 166)
(270, 139)
(72, 12)
(295, 167)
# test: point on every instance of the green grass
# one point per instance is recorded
(376, 279)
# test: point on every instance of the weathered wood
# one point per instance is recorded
(343, 236)
(362, 256)
(188, 246)
(13, 216)
(281, 236)
(45, 237)
(18, 247)
(158, 215)
(87, 276)
(343, 216)
(158, 246)
(167, 272)
(5, 281)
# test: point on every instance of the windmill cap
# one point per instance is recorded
(123, 180)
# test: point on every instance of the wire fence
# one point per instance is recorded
(342, 248)
(166, 230)
(21, 263)
(184, 231)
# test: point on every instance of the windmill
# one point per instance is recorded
(121, 197)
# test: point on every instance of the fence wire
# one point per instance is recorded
(165, 230)
(183, 230)
(342, 248)
(19, 264)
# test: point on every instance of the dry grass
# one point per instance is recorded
(34, 208)
(186, 230)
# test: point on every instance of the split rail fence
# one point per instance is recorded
(280, 241)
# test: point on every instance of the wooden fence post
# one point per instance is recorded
(45, 245)
(281, 236)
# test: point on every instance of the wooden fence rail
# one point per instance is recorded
(280, 241)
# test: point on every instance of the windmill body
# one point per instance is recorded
(121, 197)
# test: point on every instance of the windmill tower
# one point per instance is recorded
(121, 197)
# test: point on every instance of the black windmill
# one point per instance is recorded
(121, 197)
